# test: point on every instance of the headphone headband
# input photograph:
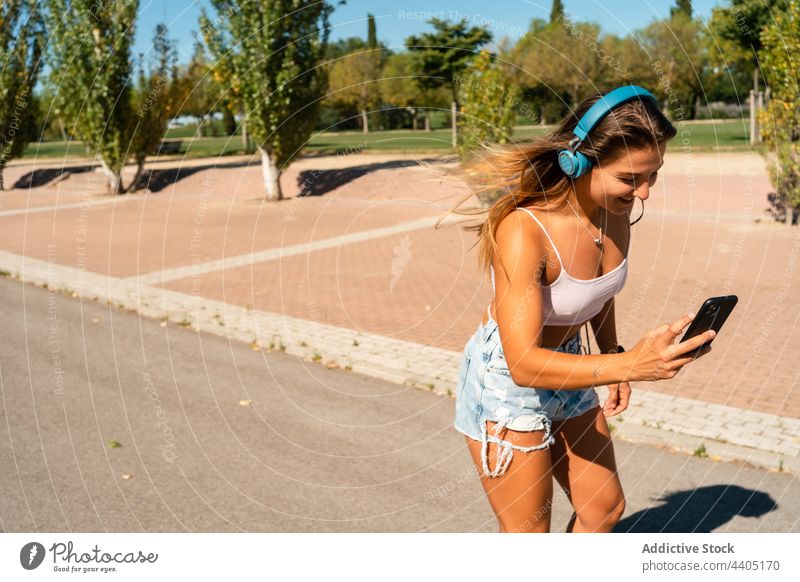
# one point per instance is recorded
(606, 103)
(572, 162)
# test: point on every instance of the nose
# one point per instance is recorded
(643, 191)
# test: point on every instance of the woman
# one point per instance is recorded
(559, 238)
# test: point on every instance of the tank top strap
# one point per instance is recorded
(547, 234)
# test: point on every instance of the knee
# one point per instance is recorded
(602, 515)
(618, 510)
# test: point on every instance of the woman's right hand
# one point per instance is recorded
(657, 357)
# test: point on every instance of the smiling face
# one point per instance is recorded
(615, 184)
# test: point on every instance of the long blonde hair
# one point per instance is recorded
(526, 173)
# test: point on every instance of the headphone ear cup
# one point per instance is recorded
(573, 164)
(583, 165)
(567, 162)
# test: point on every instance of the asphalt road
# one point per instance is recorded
(112, 422)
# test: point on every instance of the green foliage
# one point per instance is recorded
(21, 45)
(780, 59)
(445, 53)
(154, 100)
(89, 49)
(273, 62)
(201, 89)
(565, 59)
(682, 7)
(372, 36)
(488, 105)
(354, 80)
(678, 56)
(344, 46)
(735, 30)
(557, 12)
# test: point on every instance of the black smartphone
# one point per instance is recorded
(711, 315)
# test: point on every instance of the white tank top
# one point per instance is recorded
(570, 301)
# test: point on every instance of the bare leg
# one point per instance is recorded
(521, 497)
(584, 465)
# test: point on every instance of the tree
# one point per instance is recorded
(737, 30)
(559, 58)
(154, 101)
(677, 53)
(780, 61)
(199, 89)
(372, 36)
(21, 45)
(488, 105)
(444, 54)
(90, 62)
(344, 46)
(682, 7)
(273, 51)
(557, 12)
(354, 83)
(399, 88)
(354, 77)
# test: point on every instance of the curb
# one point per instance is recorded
(720, 432)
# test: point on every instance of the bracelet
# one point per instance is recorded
(619, 349)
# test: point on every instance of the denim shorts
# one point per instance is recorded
(485, 391)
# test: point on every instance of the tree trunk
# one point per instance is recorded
(137, 176)
(2, 182)
(228, 121)
(63, 131)
(114, 179)
(427, 121)
(272, 176)
(364, 121)
(414, 119)
(759, 107)
(755, 79)
(453, 121)
(245, 138)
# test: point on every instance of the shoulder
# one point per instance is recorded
(518, 227)
(520, 240)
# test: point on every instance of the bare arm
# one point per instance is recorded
(518, 301)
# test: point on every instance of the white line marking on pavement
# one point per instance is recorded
(31, 210)
(158, 277)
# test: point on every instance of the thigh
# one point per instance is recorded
(522, 496)
(583, 461)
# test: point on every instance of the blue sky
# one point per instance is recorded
(400, 18)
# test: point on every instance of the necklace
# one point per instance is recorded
(598, 241)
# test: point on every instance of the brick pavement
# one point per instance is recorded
(416, 293)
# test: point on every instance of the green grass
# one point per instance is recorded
(695, 137)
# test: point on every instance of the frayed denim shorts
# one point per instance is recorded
(485, 391)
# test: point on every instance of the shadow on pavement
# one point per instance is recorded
(157, 180)
(319, 182)
(43, 176)
(698, 510)
(154, 179)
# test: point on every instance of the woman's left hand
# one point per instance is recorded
(619, 395)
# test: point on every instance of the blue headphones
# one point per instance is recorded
(573, 163)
